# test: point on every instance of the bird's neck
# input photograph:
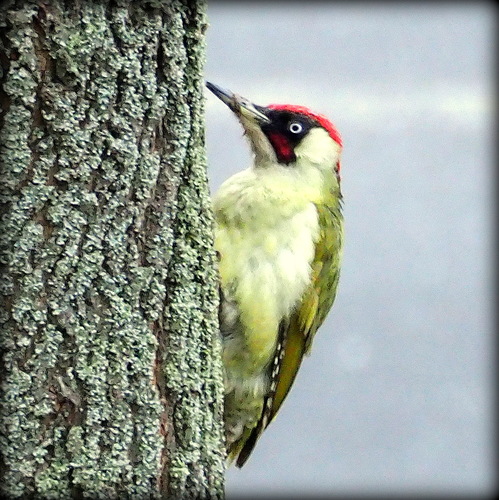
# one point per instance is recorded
(266, 192)
(302, 181)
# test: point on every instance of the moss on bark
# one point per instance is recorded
(111, 376)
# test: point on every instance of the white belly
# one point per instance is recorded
(265, 269)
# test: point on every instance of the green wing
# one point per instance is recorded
(316, 303)
(297, 332)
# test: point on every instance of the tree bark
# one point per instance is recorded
(111, 373)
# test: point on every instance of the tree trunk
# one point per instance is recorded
(111, 374)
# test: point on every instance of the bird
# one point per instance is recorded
(279, 240)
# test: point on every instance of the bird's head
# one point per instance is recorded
(285, 134)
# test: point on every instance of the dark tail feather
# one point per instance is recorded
(248, 446)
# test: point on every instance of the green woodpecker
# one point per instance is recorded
(278, 234)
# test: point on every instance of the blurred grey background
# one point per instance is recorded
(396, 397)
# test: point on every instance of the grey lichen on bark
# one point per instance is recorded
(111, 373)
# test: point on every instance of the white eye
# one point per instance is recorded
(295, 127)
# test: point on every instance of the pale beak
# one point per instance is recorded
(238, 104)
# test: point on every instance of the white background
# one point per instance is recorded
(397, 394)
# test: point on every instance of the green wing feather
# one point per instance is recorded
(316, 303)
(297, 332)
